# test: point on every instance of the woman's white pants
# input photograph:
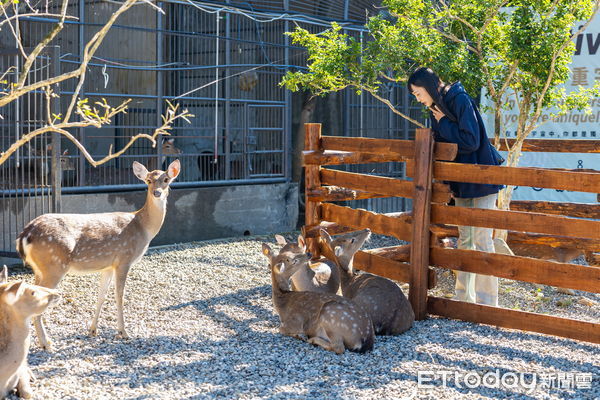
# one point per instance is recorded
(472, 287)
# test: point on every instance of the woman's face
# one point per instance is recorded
(422, 96)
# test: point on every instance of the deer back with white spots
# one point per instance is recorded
(318, 276)
(382, 299)
(326, 320)
(110, 243)
(19, 301)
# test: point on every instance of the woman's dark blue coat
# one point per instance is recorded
(465, 128)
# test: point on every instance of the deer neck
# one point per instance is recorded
(346, 268)
(11, 336)
(152, 215)
(280, 296)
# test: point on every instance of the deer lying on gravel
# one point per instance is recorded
(19, 301)
(322, 319)
(322, 276)
(381, 298)
(55, 244)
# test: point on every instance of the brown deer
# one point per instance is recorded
(321, 276)
(55, 244)
(381, 298)
(19, 302)
(326, 320)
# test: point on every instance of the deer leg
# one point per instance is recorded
(50, 282)
(23, 385)
(325, 341)
(285, 330)
(105, 280)
(121, 276)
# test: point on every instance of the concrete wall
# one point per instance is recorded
(195, 214)
(206, 213)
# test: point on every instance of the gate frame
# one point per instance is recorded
(425, 162)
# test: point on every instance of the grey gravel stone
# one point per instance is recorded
(202, 326)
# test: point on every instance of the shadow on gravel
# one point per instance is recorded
(256, 361)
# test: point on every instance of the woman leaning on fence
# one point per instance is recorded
(455, 119)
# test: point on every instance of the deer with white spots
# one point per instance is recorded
(326, 320)
(382, 299)
(110, 243)
(19, 301)
(319, 276)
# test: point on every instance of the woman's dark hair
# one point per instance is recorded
(428, 80)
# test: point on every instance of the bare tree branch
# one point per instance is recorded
(97, 120)
(391, 106)
(42, 44)
(90, 50)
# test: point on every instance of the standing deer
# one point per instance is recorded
(19, 301)
(324, 319)
(55, 244)
(322, 276)
(381, 298)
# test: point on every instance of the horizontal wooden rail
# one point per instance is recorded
(578, 210)
(522, 320)
(389, 268)
(525, 269)
(555, 145)
(336, 193)
(442, 231)
(515, 220)
(331, 157)
(382, 185)
(400, 227)
(312, 231)
(397, 253)
(518, 176)
(401, 148)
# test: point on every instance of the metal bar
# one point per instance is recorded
(226, 122)
(57, 172)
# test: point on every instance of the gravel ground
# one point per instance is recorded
(202, 326)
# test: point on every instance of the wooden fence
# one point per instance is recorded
(551, 224)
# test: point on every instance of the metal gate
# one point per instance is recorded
(30, 179)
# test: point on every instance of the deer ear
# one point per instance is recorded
(279, 268)
(4, 275)
(13, 292)
(174, 169)
(266, 250)
(338, 251)
(325, 235)
(140, 171)
(280, 240)
(301, 242)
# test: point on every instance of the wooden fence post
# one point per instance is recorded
(312, 176)
(419, 254)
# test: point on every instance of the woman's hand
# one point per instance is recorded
(437, 113)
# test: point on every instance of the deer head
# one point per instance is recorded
(345, 246)
(27, 300)
(158, 181)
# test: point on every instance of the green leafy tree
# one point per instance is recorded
(517, 51)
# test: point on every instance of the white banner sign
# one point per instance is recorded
(585, 71)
